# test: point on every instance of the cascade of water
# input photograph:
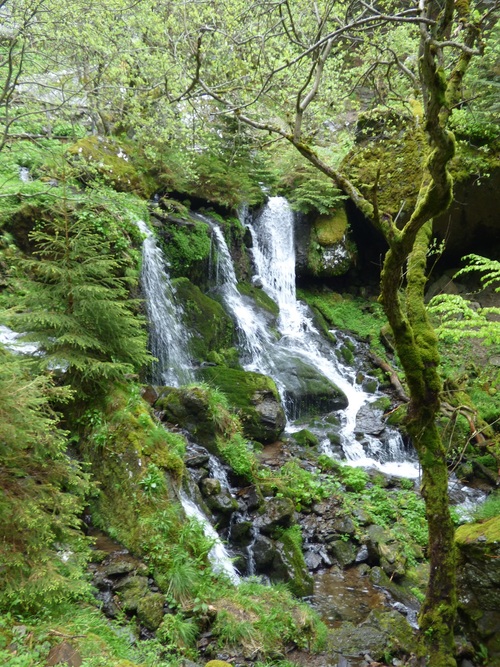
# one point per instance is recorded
(218, 472)
(167, 336)
(218, 555)
(274, 258)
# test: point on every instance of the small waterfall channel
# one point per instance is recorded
(297, 339)
(167, 336)
(218, 555)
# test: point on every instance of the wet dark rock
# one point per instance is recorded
(369, 420)
(251, 497)
(478, 579)
(241, 533)
(374, 635)
(210, 487)
(375, 536)
(343, 552)
(222, 502)
(263, 552)
(313, 560)
(199, 474)
(308, 392)
(279, 513)
(149, 394)
(289, 566)
(196, 460)
(109, 605)
(362, 554)
(344, 525)
(114, 567)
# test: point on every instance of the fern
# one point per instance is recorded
(490, 268)
(72, 298)
(457, 318)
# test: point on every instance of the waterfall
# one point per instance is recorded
(273, 251)
(218, 554)
(167, 336)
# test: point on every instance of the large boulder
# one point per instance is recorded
(324, 249)
(478, 579)
(308, 392)
(254, 397)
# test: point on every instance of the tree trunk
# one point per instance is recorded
(416, 345)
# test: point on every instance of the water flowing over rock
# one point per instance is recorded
(218, 555)
(167, 336)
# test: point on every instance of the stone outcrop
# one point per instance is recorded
(479, 585)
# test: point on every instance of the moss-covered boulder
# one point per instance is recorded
(479, 584)
(308, 392)
(210, 328)
(135, 463)
(382, 634)
(189, 408)
(96, 157)
(289, 564)
(330, 252)
(254, 397)
(150, 610)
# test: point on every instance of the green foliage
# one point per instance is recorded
(42, 550)
(237, 454)
(266, 620)
(185, 246)
(457, 318)
(178, 633)
(302, 486)
(73, 301)
(310, 190)
(349, 314)
(100, 642)
(489, 509)
(354, 479)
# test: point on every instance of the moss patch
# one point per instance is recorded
(253, 396)
(330, 229)
(96, 158)
(210, 327)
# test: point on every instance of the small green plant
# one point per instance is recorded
(178, 633)
(153, 481)
(489, 509)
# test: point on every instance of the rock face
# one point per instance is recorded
(471, 223)
(479, 584)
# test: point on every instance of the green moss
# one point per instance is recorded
(187, 246)
(330, 229)
(260, 297)
(245, 391)
(300, 582)
(210, 328)
(96, 158)
(305, 438)
(482, 533)
(398, 161)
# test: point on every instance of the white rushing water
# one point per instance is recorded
(167, 337)
(218, 555)
(10, 339)
(273, 251)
